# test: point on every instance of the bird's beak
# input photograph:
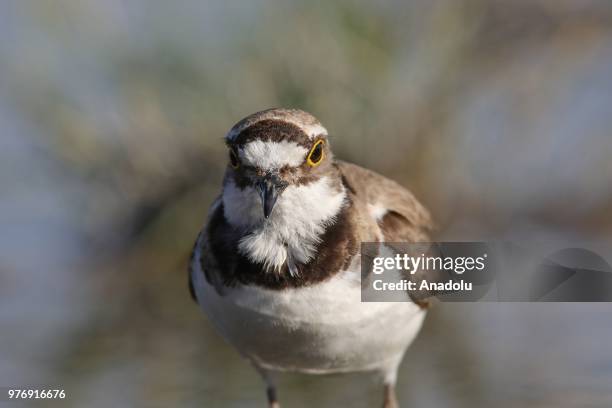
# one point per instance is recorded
(270, 188)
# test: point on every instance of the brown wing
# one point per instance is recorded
(405, 220)
(190, 270)
(191, 289)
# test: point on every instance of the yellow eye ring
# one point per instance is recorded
(233, 158)
(316, 155)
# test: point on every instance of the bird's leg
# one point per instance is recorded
(390, 400)
(389, 378)
(272, 400)
(270, 386)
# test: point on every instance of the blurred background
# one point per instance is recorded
(496, 114)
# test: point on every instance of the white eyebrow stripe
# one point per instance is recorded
(314, 130)
(272, 155)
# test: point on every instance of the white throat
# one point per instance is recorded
(295, 226)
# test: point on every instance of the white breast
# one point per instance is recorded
(321, 328)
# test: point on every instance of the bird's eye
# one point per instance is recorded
(233, 157)
(315, 157)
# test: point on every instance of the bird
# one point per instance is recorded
(276, 267)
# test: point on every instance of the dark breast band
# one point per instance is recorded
(333, 254)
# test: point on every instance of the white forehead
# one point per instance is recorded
(272, 155)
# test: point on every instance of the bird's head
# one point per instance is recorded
(281, 186)
(275, 150)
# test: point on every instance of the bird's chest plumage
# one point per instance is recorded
(319, 328)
